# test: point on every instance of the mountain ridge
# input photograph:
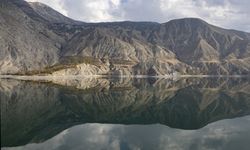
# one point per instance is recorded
(182, 46)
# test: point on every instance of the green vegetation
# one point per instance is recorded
(47, 70)
(121, 62)
(64, 63)
(79, 59)
(72, 62)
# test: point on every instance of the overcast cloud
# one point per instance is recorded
(233, 14)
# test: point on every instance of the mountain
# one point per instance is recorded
(35, 39)
(33, 112)
(51, 15)
(26, 41)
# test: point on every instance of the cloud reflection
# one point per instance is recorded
(226, 134)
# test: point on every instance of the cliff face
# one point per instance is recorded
(26, 43)
(35, 37)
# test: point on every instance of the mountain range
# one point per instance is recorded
(35, 39)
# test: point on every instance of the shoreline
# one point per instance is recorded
(49, 77)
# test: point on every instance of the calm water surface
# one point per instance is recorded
(123, 113)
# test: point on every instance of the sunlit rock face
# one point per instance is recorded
(26, 43)
(34, 111)
(36, 39)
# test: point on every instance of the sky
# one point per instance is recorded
(231, 14)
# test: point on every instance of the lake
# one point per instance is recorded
(125, 113)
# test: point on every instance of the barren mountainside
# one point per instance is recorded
(35, 39)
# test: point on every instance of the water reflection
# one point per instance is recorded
(33, 112)
(222, 135)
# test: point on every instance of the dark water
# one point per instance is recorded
(122, 113)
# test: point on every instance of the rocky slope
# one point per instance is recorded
(35, 38)
(26, 43)
(51, 15)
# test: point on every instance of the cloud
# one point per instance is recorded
(225, 13)
(92, 10)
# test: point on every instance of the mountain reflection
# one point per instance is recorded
(33, 112)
